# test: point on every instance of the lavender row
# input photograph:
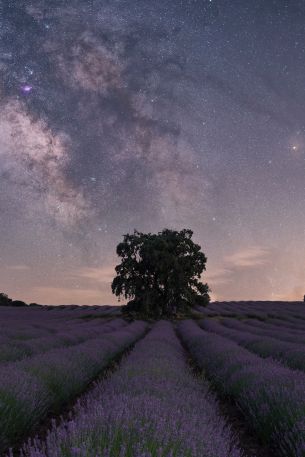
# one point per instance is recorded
(290, 354)
(270, 396)
(290, 311)
(152, 406)
(11, 350)
(265, 329)
(34, 387)
(23, 328)
(293, 325)
(26, 323)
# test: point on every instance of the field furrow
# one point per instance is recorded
(152, 406)
(12, 349)
(270, 396)
(32, 388)
(289, 354)
(264, 328)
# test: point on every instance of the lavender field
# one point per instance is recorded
(228, 381)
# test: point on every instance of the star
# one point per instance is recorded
(29, 70)
(26, 89)
(175, 119)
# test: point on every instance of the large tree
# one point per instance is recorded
(160, 273)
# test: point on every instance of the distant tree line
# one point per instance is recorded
(6, 301)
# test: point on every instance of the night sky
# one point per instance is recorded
(144, 114)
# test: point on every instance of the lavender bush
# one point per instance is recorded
(290, 354)
(63, 335)
(277, 324)
(153, 406)
(31, 388)
(271, 397)
(284, 333)
(265, 329)
(288, 311)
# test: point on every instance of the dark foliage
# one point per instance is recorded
(5, 300)
(18, 303)
(159, 272)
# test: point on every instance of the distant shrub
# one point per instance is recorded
(18, 303)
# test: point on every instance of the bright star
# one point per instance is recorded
(26, 88)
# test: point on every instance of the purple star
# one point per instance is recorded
(26, 89)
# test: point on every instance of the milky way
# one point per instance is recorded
(127, 114)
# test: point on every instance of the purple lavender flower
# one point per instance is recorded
(153, 406)
(31, 387)
(271, 396)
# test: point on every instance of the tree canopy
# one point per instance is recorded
(160, 273)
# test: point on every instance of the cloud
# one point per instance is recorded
(233, 266)
(69, 295)
(249, 257)
(100, 275)
(296, 294)
(34, 158)
(219, 276)
(18, 267)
